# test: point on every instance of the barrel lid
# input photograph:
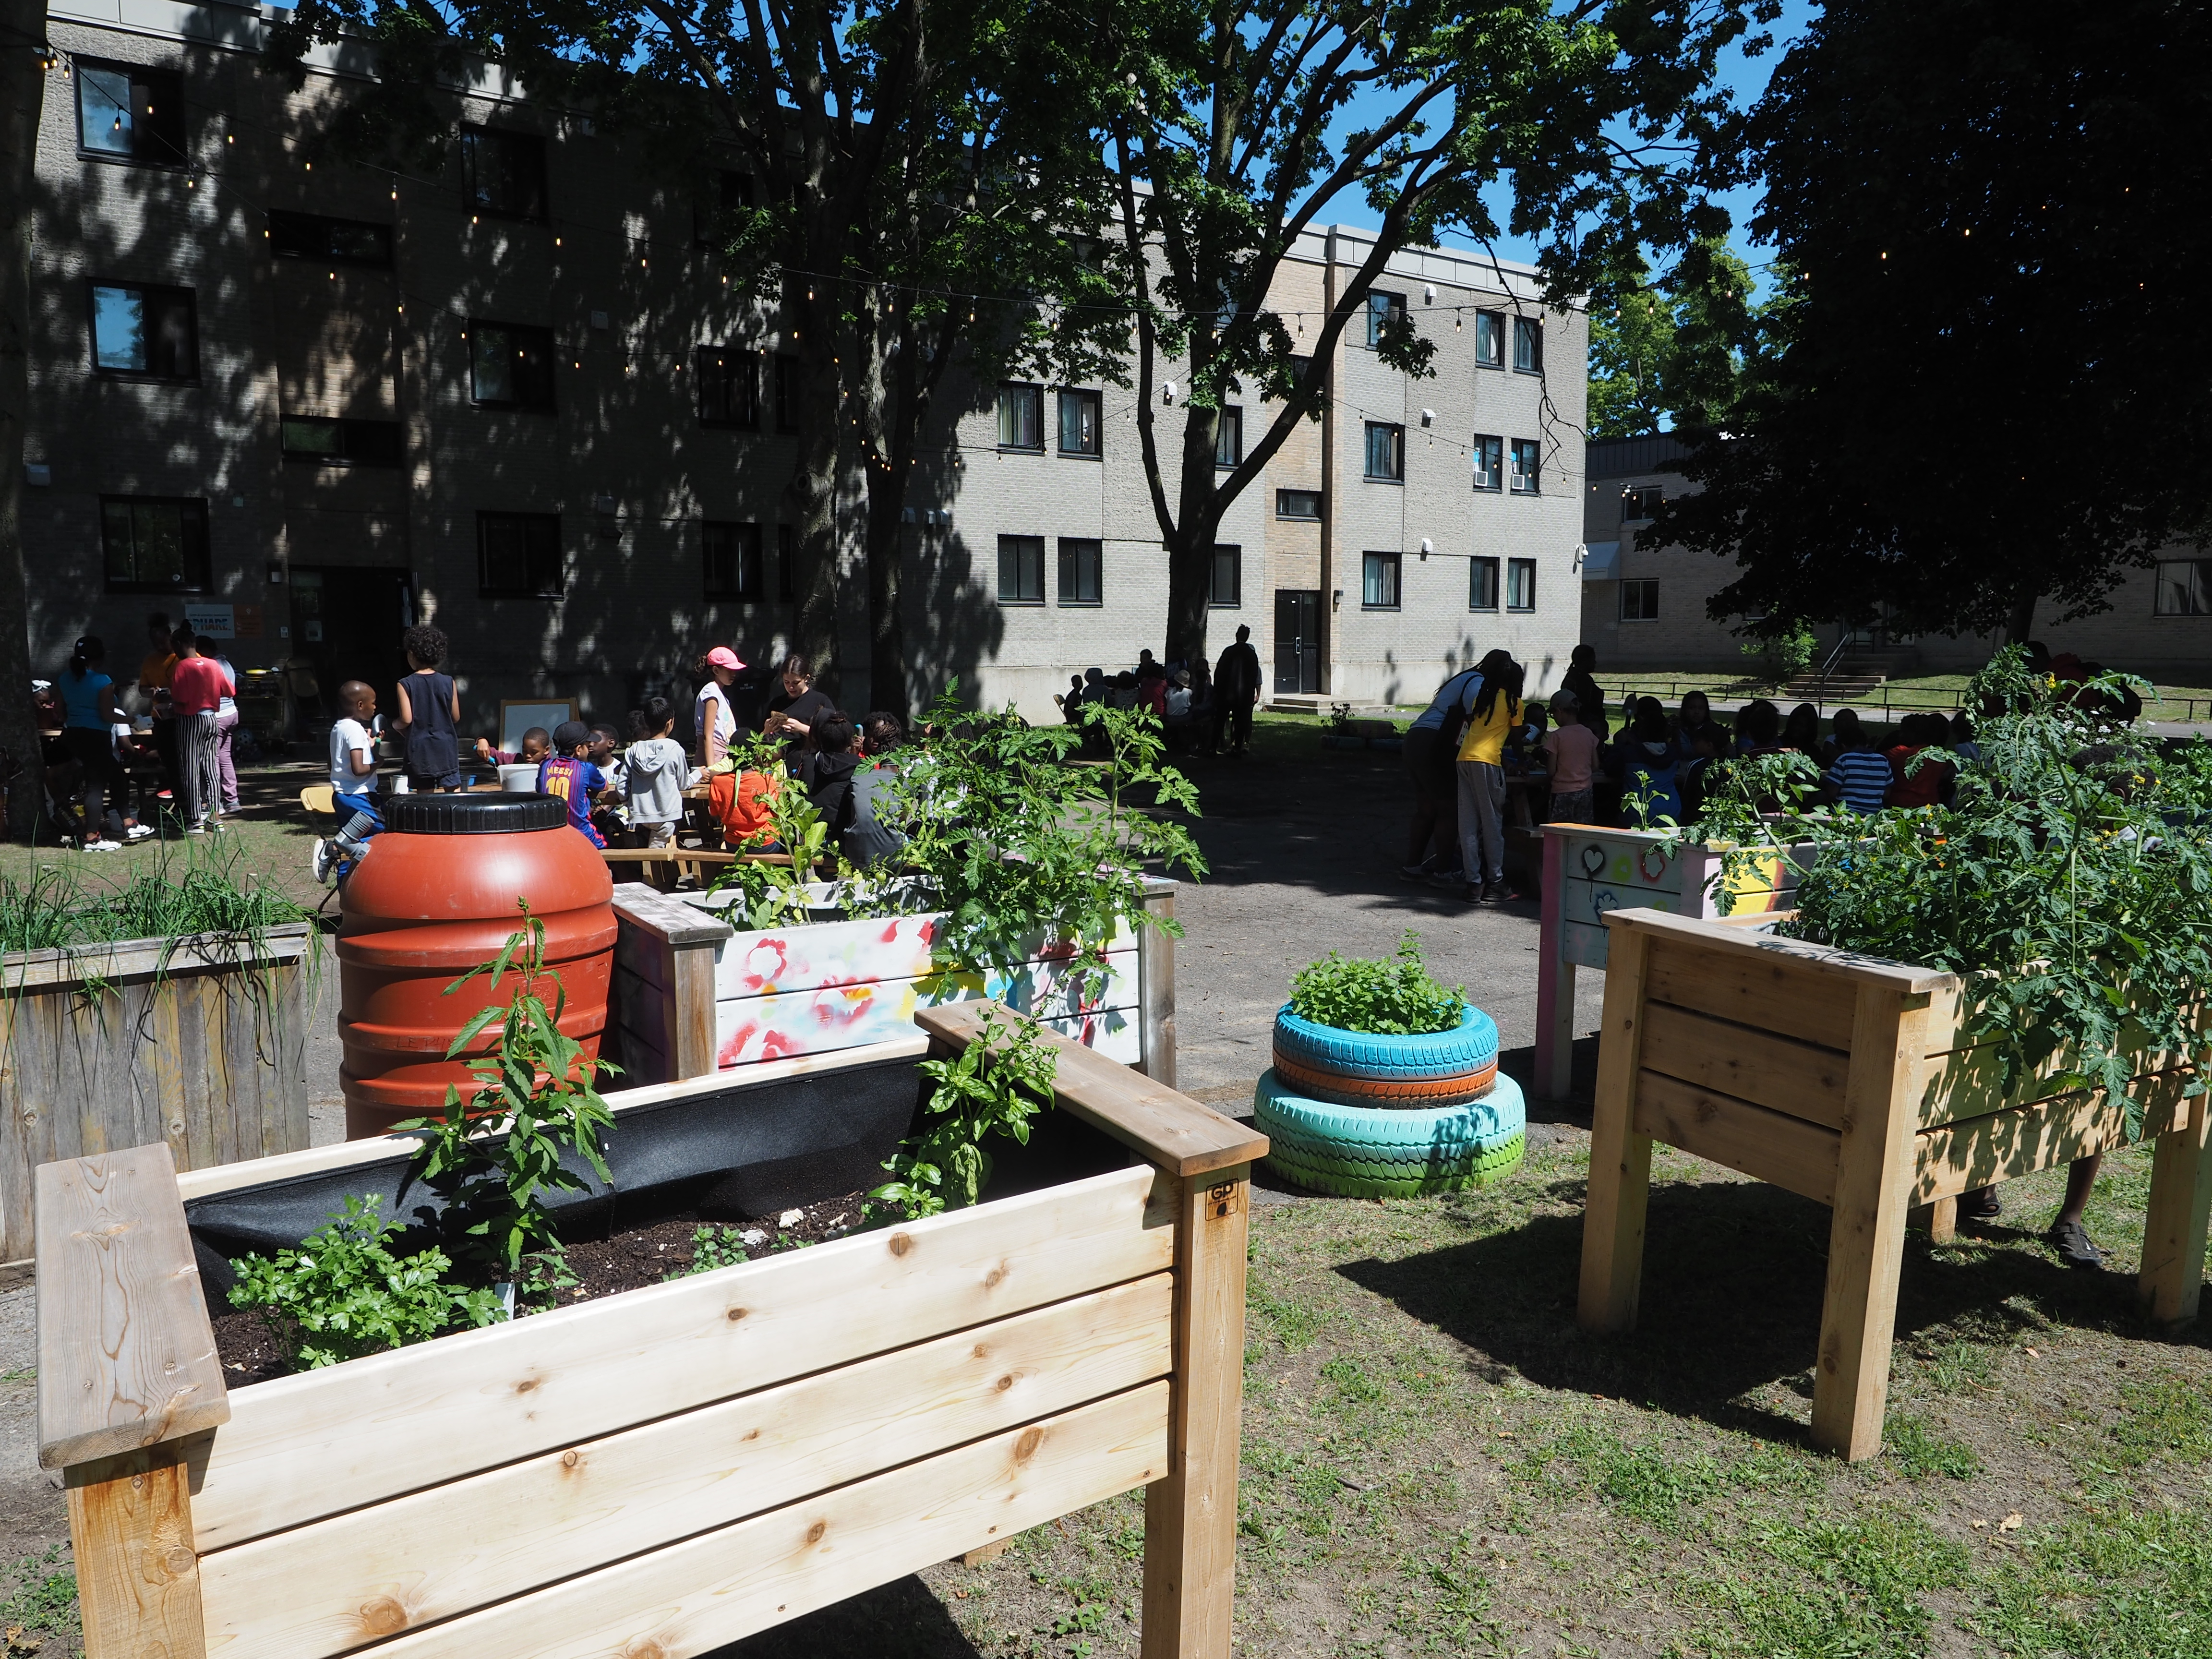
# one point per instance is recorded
(486, 814)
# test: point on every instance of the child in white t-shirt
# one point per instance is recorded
(353, 782)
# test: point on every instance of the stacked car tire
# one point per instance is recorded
(1367, 1116)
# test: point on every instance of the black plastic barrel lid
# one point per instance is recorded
(503, 814)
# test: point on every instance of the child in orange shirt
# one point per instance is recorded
(742, 802)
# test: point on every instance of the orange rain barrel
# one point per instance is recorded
(434, 895)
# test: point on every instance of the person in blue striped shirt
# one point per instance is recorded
(1860, 773)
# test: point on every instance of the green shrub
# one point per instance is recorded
(1395, 997)
(342, 1294)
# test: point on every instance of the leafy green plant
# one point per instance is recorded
(342, 1294)
(713, 1248)
(1785, 653)
(494, 1156)
(994, 1086)
(776, 895)
(1394, 998)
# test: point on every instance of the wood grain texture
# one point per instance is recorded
(691, 1014)
(1620, 1153)
(137, 1577)
(1156, 994)
(1788, 1151)
(360, 1577)
(126, 1355)
(1778, 1073)
(1789, 998)
(313, 1444)
(1165, 1128)
(1956, 1157)
(642, 916)
(1766, 950)
(1190, 1512)
(2171, 1282)
(693, 1597)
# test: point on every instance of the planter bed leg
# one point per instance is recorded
(2173, 1229)
(138, 1582)
(1190, 1517)
(1620, 1159)
(1941, 1219)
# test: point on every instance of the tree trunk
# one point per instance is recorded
(1190, 544)
(812, 494)
(2023, 619)
(887, 666)
(22, 88)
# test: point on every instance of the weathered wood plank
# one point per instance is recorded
(697, 1595)
(303, 1447)
(1620, 1150)
(1772, 1146)
(2172, 1281)
(126, 1355)
(1164, 1128)
(1766, 950)
(137, 1578)
(1800, 1078)
(372, 1572)
(1956, 1158)
(1156, 997)
(125, 960)
(1770, 994)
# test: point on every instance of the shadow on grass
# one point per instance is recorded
(1734, 1274)
(898, 1620)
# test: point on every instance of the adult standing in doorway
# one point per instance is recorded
(792, 714)
(712, 716)
(1495, 713)
(1236, 688)
(429, 713)
(154, 676)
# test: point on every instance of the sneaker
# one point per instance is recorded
(1982, 1204)
(326, 856)
(1502, 892)
(102, 846)
(1413, 872)
(195, 829)
(1448, 878)
(2071, 1240)
(138, 832)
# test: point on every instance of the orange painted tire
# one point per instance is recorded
(1404, 1094)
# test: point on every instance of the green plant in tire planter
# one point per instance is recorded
(1397, 997)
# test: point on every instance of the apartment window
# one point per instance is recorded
(734, 566)
(1488, 462)
(519, 556)
(1386, 452)
(1482, 584)
(1298, 504)
(1529, 344)
(343, 443)
(329, 241)
(141, 329)
(1081, 571)
(1640, 502)
(506, 172)
(1528, 465)
(787, 563)
(1225, 592)
(1078, 422)
(712, 215)
(729, 387)
(510, 365)
(1378, 582)
(1021, 417)
(1639, 600)
(1520, 584)
(1229, 437)
(1021, 570)
(1490, 339)
(1381, 310)
(154, 544)
(2184, 588)
(787, 394)
(129, 114)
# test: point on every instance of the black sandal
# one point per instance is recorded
(1982, 1204)
(2071, 1240)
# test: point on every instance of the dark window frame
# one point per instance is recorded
(473, 135)
(1485, 577)
(2199, 592)
(786, 371)
(1633, 498)
(1529, 481)
(1397, 452)
(1229, 438)
(1235, 551)
(1075, 397)
(359, 442)
(1035, 393)
(1319, 505)
(327, 251)
(1491, 448)
(1646, 589)
(550, 402)
(713, 365)
(706, 217)
(1370, 564)
(1072, 551)
(1021, 547)
(191, 309)
(530, 587)
(743, 575)
(192, 526)
(172, 136)
(1515, 570)
(1531, 329)
(1495, 322)
(1378, 317)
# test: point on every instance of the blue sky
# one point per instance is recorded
(1745, 77)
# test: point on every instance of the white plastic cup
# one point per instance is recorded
(399, 784)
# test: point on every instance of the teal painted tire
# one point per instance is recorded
(1469, 1047)
(1358, 1151)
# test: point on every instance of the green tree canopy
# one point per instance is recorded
(1670, 353)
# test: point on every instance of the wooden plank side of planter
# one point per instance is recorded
(126, 1355)
(303, 1447)
(1956, 1158)
(1776, 1072)
(137, 1579)
(1771, 1146)
(1772, 994)
(150, 958)
(693, 1597)
(360, 1577)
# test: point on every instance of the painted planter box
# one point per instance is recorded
(198, 1043)
(670, 1469)
(694, 993)
(1589, 872)
(1848, 1081)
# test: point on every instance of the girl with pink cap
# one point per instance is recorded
(712, 716)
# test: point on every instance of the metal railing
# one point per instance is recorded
(1907, 701)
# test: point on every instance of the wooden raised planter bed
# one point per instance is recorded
(666, 1470)
(1847, 1079)
(692, 994)
(198, 1042)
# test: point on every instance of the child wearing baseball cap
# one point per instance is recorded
(712, 716)
(568, 773)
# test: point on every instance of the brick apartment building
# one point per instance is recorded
(516, 397)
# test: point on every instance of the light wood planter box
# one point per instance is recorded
(1846, 1079)
(662, 1472)
(693, 995)
(1588, 874)
(195, 1042)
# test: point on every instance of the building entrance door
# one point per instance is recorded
(1298, 638)
(347, 622)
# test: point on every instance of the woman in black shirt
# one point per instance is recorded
(792, 714)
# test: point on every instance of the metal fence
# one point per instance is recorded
(1907, 700)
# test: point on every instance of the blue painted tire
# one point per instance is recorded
(1468, 1047)
(1358, 1151)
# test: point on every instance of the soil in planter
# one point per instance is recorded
(650, 1250)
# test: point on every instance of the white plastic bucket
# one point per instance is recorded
(518, 780)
